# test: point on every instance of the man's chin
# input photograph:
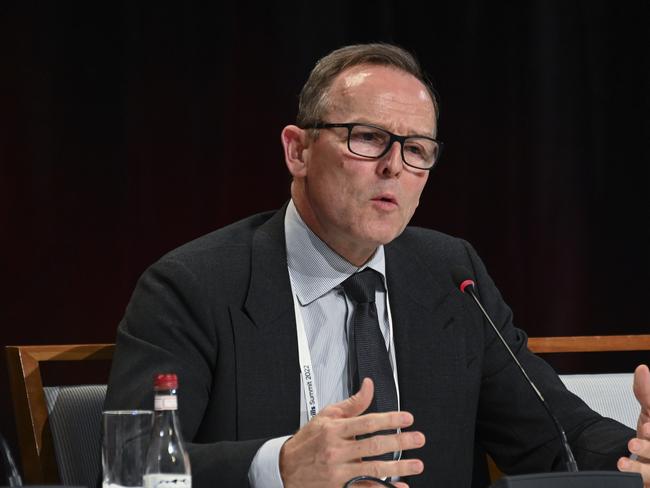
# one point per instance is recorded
(381, 237)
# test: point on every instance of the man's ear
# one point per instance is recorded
(295, 141)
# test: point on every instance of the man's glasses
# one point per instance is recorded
(373, 142)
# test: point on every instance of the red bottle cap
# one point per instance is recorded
(166, 382)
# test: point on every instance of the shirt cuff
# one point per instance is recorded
(265, 468)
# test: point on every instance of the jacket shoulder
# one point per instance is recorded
(222, 256)
(236, 235)
(431, 244)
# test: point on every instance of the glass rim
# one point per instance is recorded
(127, 412)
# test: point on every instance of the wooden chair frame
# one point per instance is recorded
(613, 343)
(30, 410)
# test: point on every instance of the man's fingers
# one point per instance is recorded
(400, 484)
(627, 465)
(328, 443)
(641, 448)
(643, 431)
(381, 444)
(642, 387)
(384, 469)
(374, 422)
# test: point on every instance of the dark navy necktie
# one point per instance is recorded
(367, 354)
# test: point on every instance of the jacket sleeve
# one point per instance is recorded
(169, 327)
(512, 425)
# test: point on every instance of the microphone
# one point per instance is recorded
(463, 280)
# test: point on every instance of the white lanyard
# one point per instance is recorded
(306, 368)
(307, 375)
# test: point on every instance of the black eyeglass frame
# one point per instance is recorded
(393, 137)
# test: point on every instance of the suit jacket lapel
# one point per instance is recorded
(268, 378)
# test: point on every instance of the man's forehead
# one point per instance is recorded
(358, 77)
(381, 89)
(353, 79)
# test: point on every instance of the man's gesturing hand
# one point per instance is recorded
(325, 452)
(641, 444)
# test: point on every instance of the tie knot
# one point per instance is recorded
(361, 287)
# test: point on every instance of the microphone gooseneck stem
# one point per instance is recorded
(569, 459)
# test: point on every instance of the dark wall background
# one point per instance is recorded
(126, 130)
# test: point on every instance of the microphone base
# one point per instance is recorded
(582, 479)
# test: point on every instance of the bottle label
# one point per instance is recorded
(160, 480)
(165, 402)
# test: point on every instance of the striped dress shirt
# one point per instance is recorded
(316, 273)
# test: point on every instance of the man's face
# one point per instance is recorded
(353, 203)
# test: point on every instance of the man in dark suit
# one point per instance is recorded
(226, 313)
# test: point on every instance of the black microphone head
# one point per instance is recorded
(462, 277)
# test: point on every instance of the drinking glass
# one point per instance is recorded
(125, 438)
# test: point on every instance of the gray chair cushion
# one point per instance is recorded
(608, 394)
(75, 414)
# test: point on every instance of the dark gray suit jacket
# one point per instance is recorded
(218, 312)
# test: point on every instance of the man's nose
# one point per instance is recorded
(391, 163)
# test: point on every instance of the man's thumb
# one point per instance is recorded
(360, 401)
(642, 387)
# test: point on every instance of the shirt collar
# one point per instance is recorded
(314, 267)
